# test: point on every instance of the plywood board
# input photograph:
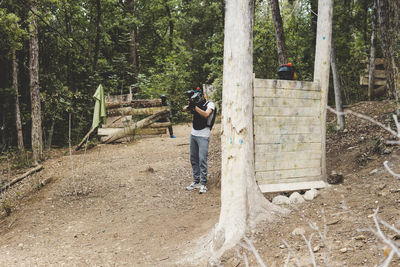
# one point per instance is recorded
(287, 135)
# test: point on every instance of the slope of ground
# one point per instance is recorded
(125, 205)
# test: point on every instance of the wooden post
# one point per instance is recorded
(322, 65)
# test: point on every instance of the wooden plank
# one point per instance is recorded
(139, 111)
(364, 81)
(286, 93)
(285, 139)
(136, 103)
(289, 129)
(287, 111)
(284, 174)
(295, 186)
(284, 164)
(265, 156)
(290, 180)
(143, 131)
(118, 98)
(378, 61)
(285, 102)
(377, 73)
(295, 147)
(285, 121)
(299, 85)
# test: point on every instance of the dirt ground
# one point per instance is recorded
(126, 205)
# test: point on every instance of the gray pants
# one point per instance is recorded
(198, 158)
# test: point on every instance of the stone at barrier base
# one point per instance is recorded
(279, 200)
(310, 194)
(296, 198)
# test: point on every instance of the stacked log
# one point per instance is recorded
(127, 117)
(379, 75)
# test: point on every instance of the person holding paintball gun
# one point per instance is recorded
(203, 120)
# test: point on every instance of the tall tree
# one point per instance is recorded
(98, 33)
(387, 15)
(18, 123)
(322, 63)
(37, 141)
(133, 42)
(338, 89)
(242, 203)
(279, 32)
(372, 54)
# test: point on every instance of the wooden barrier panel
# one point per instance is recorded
(287, 135)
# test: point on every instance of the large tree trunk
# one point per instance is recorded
(133, 42)
(371, 76)
(279, 32)
(337, 88)
(242, 203)
(37, 142)
(97, 40)
(171, 26)
(18, 123)
(386, 16)
(322, 64)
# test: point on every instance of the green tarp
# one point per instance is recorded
(99, 114)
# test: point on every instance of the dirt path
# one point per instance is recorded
(131, 207)
(127, 206)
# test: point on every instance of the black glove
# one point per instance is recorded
(192, 105)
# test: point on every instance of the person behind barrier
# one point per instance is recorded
(203, 120)
(286, 72)
(168, 119)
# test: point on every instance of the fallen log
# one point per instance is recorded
(20, 178)
(84, 139)
(131, 130)
(143, 131)
(160, 124)
(136, 111)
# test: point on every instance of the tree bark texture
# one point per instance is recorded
(279, 32)
(133, 41)
(338, 89)
(322, 64)
(386, 31)
(171, 26)
(37, 142)
(18, 123)
(98, 33)
(241, 200)
(371, 76)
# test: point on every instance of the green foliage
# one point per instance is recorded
(179, 46)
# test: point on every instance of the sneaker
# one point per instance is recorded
(203, 189)
(172, 136)
(192, 186)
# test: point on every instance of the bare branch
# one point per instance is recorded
(310, 250)
(246, 261)
(364, 118)
(292, 251)
(379, 233)
(390, 170)
(397, 123)
(254, 250)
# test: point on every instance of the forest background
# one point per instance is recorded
(151, 48)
